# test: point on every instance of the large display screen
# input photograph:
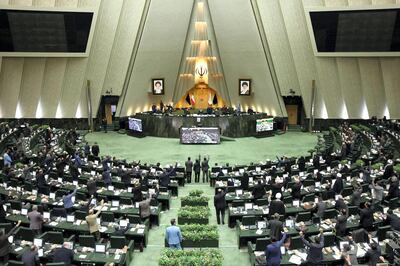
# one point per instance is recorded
(200, 135)
(375, 30)
(135, 124)
(44, 31)
(266, 124)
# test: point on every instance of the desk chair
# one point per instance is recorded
(6, 226)
(80, 215)
(288, 200)
(119, 185)
(117, 242)
(58, 212)
(354, 210)
(381, 233)
(296, 243)
(309, 198)
(262, 243)
(163, 189)
(231, 189)
(329, 214)
(87, 241)
(249, 220)
(53, 237)
(348, 191)
(360, 235)
(107, 217)
(238, 203)
(16, 205)
(262, 202)
(303, 217)
(308, 183)
(329, 239)
(134, 219)
(125, 201)
(80, 196)
(24, 233)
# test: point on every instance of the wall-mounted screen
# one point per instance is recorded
(355, 31)
(135, 124)
(31, 31)
(200, 135)
(266, 124)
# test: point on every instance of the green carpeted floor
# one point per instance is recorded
(165, 151)
(239, 151)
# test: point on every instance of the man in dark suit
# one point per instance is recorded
(30, 257)
(273, 251)
(107, 177)
(373, 255)
(275, 226)
(314, 253)
(277, 206)
(356, 197)
(91, 186)
(393, 188)
(197, 169)
(220, 205)
(244, 183)
(367, 217)
(95, 150)
(137, 192)
(189, 170)
(393, 220)
(41, 182)
(258, 190)
(338, 186)
(63, 254)
(301, 162)
(204, 168)
(296, 189)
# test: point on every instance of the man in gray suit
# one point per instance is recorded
(144, 208)
(275, 226)
(321, 207)
(35, 220)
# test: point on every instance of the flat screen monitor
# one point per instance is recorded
(44, 32)
(135, 124)
(266, 124)
(363, 31)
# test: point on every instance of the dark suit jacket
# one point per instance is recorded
(219, 201)
(393, 190)
(258, 191)
(373, 256)
(63, 255)
(338, 186)
(341, 225)
(30, 258)
(137, 194)
(276, 227)
(5, 246)
(296, 191)
(244, 183)
(366, 218)
(314, 254)
(277, 206)
(41, 181)
(91, 187)
(394, 221)
(95, 150)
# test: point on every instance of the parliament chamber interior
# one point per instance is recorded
(199, 132)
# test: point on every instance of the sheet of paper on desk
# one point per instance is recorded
(295, 260)
(18, 249)
(116, 257)
(259, 232)
(325, 226)
(140, 231)
(103, 229)
(336, 256)
(302, 255)
(53, 223)
(82, 256)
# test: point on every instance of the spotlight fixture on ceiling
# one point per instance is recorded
(292, 92)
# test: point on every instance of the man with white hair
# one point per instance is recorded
(393, 191)
(64, 254)
(277, 205)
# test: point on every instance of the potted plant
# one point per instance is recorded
(193, 214)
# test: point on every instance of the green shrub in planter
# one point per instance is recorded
(377, 166)
(194, 200)
(205, 257)
(197, 232)
(359, 163)
(196, 193)
(397, 168)
(194, 212)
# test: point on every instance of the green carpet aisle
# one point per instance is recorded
(228, 240)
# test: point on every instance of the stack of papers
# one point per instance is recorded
(295, 260)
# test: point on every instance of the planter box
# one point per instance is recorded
(182, 220)
(205, 243)
(194, 203)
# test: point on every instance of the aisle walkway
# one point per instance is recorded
(227, 242)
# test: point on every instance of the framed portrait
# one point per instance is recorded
(158, 86)
(244, 87)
